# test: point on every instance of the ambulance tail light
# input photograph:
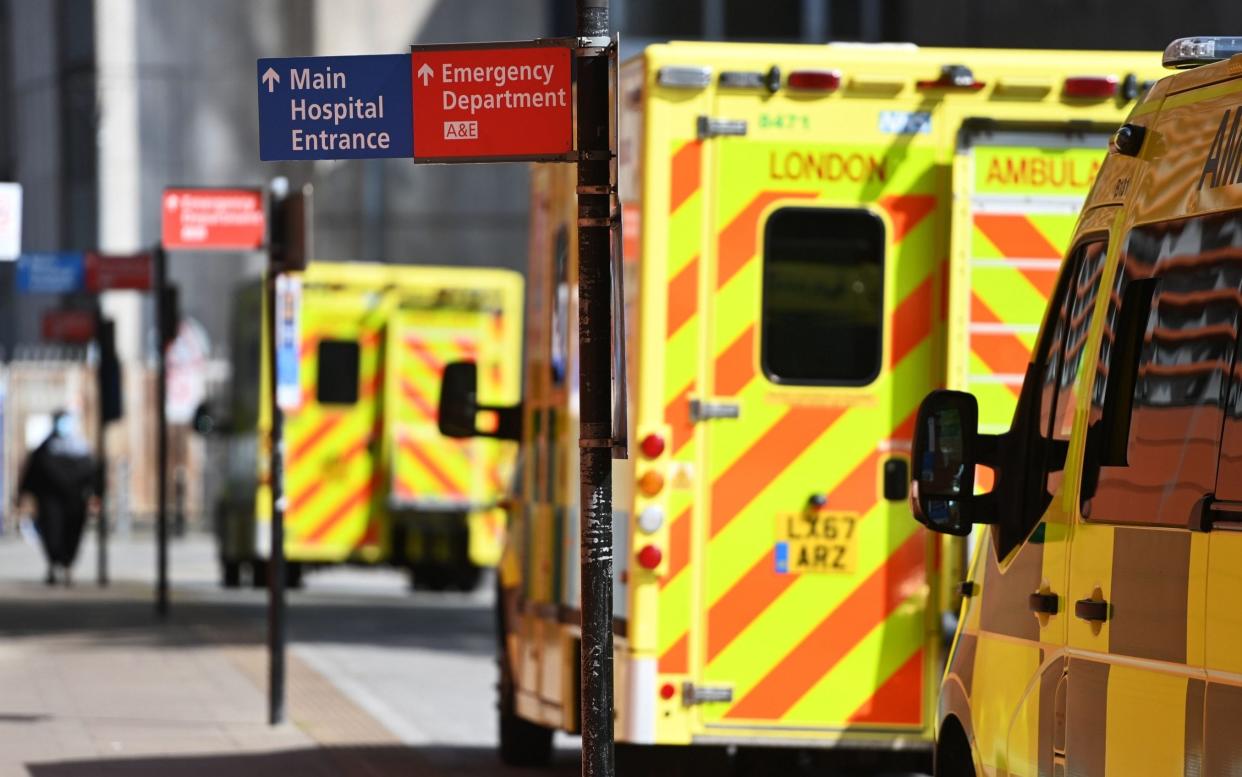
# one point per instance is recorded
(650, 557)
(1191, 52)
(955, 77)
(651, 483)
(815, 80)
(1091, 87)
(652, 445)
(684, 76)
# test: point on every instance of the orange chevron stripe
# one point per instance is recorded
(686, 173)
(301, 500)
(678, 546)
(676, 660)
(403, 487)
(1003, 353)
(859, 490)
(310, 341)
(1015, 236)
(432, 468)
(683, 296)
(735, 366)
(739, 239)
(907, 211)
(677, 416)
(323, 430)
(742, 603)
(424, 406)
(342, 510)
(766, 459)
(912, 320)
(899, 699)
(420, 350)
(371, 537)
(869, 604)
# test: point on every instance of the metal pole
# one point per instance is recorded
(161, 446)
(101, 491)
(595, 396)
(276, 556)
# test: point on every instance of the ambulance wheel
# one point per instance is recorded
(467, 576)
(293, 574)
(953, 758)
(429, 577)
(230, 574)
(522, 743)
(258, 573)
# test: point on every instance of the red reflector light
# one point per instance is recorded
(1098, 87)
(668, 691)
(650, 557)
(652, 445)
(815, 80)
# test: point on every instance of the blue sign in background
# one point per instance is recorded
(329, 107)
(51, 273)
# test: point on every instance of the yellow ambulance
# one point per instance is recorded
(1101, 633)
(368, 477)
(814, 238)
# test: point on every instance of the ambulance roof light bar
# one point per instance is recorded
(1202, 50)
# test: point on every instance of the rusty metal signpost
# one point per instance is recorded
(498, 102)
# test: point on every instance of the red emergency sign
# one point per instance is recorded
(106, 272)
(213, 219)
(492, 103)
(68, 326)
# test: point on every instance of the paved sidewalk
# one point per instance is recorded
(92, 684)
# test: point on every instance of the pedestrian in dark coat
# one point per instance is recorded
(60, 476)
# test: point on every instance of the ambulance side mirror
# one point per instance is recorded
(942, 494)
(460, 409)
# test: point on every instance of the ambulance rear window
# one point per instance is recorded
(823, 296)
(337, 382)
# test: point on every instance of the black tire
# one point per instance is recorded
(953, 757)
(522, 743)
(230, 574)
(258, 573)
(293, 574)
(429, 577)
(466, 577)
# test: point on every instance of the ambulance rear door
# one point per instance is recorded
(334, 505)
(818, 346)
(1017, 198)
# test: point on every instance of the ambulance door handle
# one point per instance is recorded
(1043, 603)
(1093, 610)
(707, 411)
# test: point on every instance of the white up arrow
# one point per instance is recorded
(425, 72)
(271, 79)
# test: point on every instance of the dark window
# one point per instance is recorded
(1033, 457)
(338, 372)
(823, 296)
(1176, 383)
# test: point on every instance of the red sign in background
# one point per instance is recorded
(213, 219)
(492, 103)
(106, 272)
(68, 326)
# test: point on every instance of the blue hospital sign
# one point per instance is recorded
(335, 107)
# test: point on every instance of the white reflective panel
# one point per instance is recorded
(651, 519)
